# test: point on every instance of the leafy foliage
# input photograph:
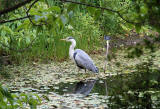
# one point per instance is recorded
(53, 20)
(38, 38)
(8, 3)
(148, 12)
(14, 101)
(44, 41)
(137, 90)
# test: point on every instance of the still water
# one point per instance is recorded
(127, 91)
(122, 91)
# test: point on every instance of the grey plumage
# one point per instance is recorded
(84, 61)
(80, 57)
(70, 38)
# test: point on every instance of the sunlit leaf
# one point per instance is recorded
(34, 12)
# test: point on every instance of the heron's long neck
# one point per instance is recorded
(71, 49)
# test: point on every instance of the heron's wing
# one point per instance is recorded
(83, 60)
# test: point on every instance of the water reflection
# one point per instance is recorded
(128, 91)
(84, 87)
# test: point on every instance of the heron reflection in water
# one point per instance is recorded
(84, 87)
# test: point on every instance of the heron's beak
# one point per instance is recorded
(63, 39)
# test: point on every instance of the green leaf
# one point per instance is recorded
(59, 24)
(20, 27)
(63, 19)
(1, 96)
(3, 105)
(41, 0)
(35, 12)
(141, 94)
(91, 10)
(154, 98)
(138, 28)
(144, 9)
(97, 14)
(70, 14)
(71, 7)
(3, 33)
(55, 8)
(82, 0)
(28, 40)
(24, 97)
(7, 29)
(130, 26)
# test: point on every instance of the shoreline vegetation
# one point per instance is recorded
(35, 66)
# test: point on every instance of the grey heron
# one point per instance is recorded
(80, 57)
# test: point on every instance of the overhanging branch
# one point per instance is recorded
(27, 12)
(14, 7)
(21, 18)
(88, 5)
(12, 20)
(29, 17)
(103, 8)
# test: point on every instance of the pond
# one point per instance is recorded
(59, 85)
(125, 91)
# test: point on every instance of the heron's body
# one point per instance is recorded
(83, 61)
(80, 57)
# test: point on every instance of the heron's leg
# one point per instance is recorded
(85, 70)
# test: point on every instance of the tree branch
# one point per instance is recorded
(88, 5)
(12, 20)
(27, 12)
(29, 17)
(21, 18)
(102, 8)
(14, 7)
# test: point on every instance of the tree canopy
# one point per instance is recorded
(54, 18)
(138, 12)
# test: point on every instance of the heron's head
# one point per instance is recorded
(69, 39)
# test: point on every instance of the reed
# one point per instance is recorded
(48, 45)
